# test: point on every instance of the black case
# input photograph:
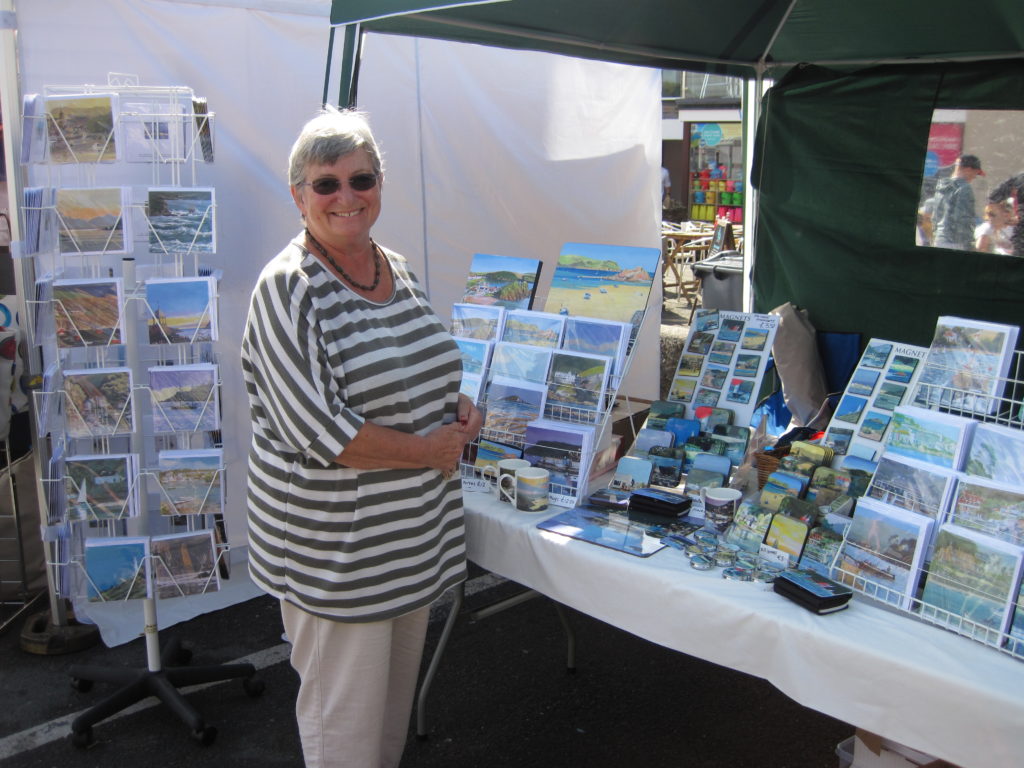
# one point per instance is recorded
(812, 591)
(657, 502)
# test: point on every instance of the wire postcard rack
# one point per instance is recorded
(968, 579)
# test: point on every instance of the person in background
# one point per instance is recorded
(993, 236)
(666, 188)
(954, 217)
(354, 498)
(1013, 190)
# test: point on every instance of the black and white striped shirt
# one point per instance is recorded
(318, 360)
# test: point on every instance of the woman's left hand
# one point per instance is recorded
(469, 418)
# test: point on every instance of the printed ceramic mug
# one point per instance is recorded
(528, 488)
(504, 468)
(720, 505)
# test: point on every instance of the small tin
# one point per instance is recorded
(737, 574)
(694, 549)
(746, 560)
(701, 563)
(725, 558)
(705, 537)
(765, 575)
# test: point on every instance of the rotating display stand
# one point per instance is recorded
(114, 236)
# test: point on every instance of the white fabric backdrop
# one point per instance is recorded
(487, 150)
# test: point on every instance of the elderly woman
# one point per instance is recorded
(355, 507)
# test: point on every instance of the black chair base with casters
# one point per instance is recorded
(164, 683)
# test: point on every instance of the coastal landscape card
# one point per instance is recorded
(990, 508)
(599, 337)
(912, 485)
(972, 577)
(475, 355)
(98, 402)
(565, 451)
(190, 481)
(153, 131)
(631, 472)
(577, 386)
(490, 452)
(539, 329)
(507, 281)
(883, 553)
(997, 453)
(101, 487)
(929, 436)
(92, 220)
(117, 568)
(184, 564)
(181, 220)
(511, 405)
(520, 361)
(967, 365)
(80, 128)
(181, 310)
(472, 321)
(610, 282)
(87, 313)
(184, 398)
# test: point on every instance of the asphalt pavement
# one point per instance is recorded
(502, 697)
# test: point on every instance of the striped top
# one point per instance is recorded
(317, 360)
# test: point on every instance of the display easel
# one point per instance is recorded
(167, 130)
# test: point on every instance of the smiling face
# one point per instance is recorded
(342, 218)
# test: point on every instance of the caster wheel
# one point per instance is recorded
(80, 685)
(254, 687)
(82, 739)
(205, 736)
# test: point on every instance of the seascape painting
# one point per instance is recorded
(184, 398)
(80, 128)
(117, 568)
(181, 310)
(507, 281)
(91, 220)
(185, 564)
(87, 312)
(99, 402)
(99, 487)
(181, 220)
(470, 321)
(511, 405)
(611, 282)
(190, 482)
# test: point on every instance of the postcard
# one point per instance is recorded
(184, 564)
(929, 436)
(80, 128)
(610, 282)
(472, 386)
(577, 386)
(190, 481)
(884, 551)
(88, 312)
(911, 485)
(92, 220)
(181, 220)
(507, 281)
(101, 487)
(475, 354)
(181, 310)
(967, 364)
(997, 453)
(117, 568)
(599, 337)
(540, 329)
(203, 135)
(520, 361)
(153, 132)
(474, 321)
(98, 402)
(972, 577)
(566, 452)
(184, 398)
(511, 405)
(993, 509)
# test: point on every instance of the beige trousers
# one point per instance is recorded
(357, 684)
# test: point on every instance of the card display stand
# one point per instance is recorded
(122, 325)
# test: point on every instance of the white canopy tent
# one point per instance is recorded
(486, 150)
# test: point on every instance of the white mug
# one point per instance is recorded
(720, 505)
(502, 468)
(528, 488)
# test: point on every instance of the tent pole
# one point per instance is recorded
(350, 65)
(327, 69)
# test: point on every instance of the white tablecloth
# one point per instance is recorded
(911, 682)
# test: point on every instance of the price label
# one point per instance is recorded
(774, 556)
(475, 485)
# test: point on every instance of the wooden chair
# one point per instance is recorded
(671, 271)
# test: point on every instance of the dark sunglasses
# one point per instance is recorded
(328, 185)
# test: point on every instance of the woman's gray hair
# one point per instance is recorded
(330, 135)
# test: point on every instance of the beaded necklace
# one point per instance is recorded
(376, 264)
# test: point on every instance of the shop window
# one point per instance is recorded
(972, 187)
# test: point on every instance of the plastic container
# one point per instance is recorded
(721, 281)
(844, 751)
